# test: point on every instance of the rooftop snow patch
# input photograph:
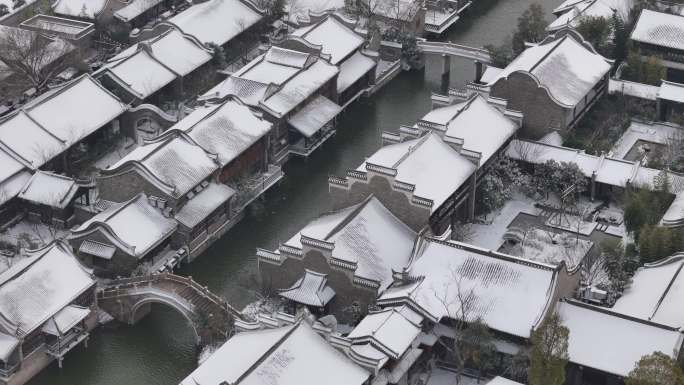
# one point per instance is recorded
(174, 163)
(482, 127)
(574, 13)
(662, 29)
(671, 91)
(389, 331)
(611, 342)
(49, 189)
(367, 235)
(56, 120)
(655, 292)
(87, 9)
(432, 166)
(311, 289)
(564, 66)
(149, 66)
(226, 129)
(40, 286)
(338, 40)
(203, 204)
(216, 21)
(510, 294)
(291, 355)
(135, 8)
(611, 171)
(298, 10)
(299, 87)
(314, 116)
(134, 226)
(353, 69)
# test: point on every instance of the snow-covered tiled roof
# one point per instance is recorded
(298, 10)
(134, 226)
(65, 319)
(226, 129)
(299, 87)
(49, 189)
(611, 342)
(311, 289)
(432, 166)
(655, 293)
(204, 203)
(87, 9)
(388, 330)
(216, 21)
(481, 126)
(97, 249)
(56, 120)
(40, 286)
(338, 40)
(367, 234)
(563, 65)
(249, 91)
(149, 66)
(659, 28)
(174, 163)
(134, 9)
(12, 184)
(291, 355)
(615, 172)
(314, 115)
(509, 294)
(575, 11)
(353, 69)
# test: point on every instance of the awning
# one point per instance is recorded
(7, 345)
(312, 289)
(65, 319)
(97, 249)
(203, 204)
(310, 119)
(352, 70)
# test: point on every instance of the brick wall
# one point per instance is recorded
(525, 94)
(275, 277)
(122, 187)
(414, 216)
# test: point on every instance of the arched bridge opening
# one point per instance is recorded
(129, 299)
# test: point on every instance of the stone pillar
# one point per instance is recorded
(446, 70)
(479, 71)
(592, 186)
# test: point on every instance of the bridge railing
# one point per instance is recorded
(477, 53)
(122, 286)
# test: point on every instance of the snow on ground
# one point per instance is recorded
(552, 248)
(263, 306)
(571, 223)
(490, 235)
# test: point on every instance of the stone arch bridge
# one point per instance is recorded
(130, 299)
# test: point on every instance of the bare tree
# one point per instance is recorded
(472, 341)
(674, 153)
(29, 59)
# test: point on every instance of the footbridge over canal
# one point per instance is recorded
(130, 299)
(479, 56)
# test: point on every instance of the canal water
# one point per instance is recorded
(160, 349)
